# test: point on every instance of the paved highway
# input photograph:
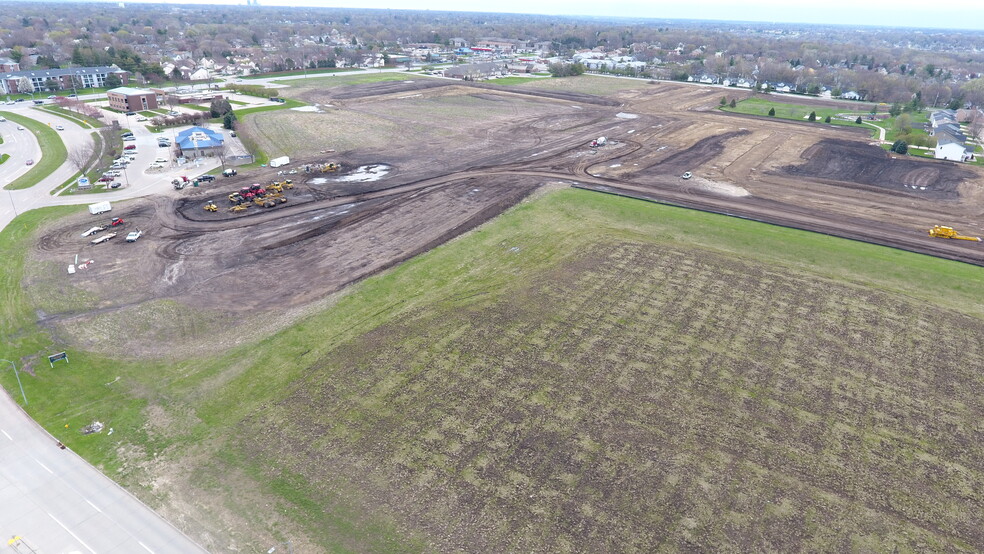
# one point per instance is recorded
(59, 503)
(51, 500)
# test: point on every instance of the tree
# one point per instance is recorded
(733, 103)
(826, 119)
(813, 116)
(724, 101)
(229, 121)
(900, 147)
(903, 124)
(772, 111)
(112, 81)
(219, 107)
(25, 86)
(895, 109)
(858, 120)
(79, 156)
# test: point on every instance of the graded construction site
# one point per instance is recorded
(423, 161)
(631, 392)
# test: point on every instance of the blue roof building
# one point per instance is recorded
(199, 141)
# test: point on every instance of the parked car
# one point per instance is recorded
(155, 166)
(134, 235)
(129, 138)
(206, 178)
(30, 162)
(105, 179)
(116, 185)
(229, 172)
(141, 118)
(73, 95)
(131, 113)
(20, 127)
(130, 147)
(126, 134)
(160, 160)
(172, 112)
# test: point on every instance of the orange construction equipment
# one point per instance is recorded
(942, 232)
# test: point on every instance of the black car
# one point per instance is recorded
(131, 113)
(206, 178)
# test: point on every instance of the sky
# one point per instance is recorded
(955, 14)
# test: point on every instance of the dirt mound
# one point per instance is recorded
(686, 160)
(858, 163)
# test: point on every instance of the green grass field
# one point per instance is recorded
(51, 145)
(584, 373)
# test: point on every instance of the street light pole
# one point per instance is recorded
(17, 375)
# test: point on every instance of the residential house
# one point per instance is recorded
(476, 71)
(950, 148)
(7, 64)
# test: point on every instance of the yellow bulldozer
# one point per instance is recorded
(211, 207)
(275, 187)
(941, 232)
(330, 166)
(238, 208)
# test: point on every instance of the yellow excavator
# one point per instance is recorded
(941, 232)
(211, 207)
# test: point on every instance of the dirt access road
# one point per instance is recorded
(451, 157)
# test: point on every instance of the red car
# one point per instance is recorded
(105, 179)
(130, 147)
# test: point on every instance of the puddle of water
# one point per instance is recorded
(314, 108)
(364, 174)
(623, 115)
(615, 165)
(361, 174)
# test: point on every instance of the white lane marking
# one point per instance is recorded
(93, 505)
(74, 536)
(5, 434)
(145, 547)
(44, 466)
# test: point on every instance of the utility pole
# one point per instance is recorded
(17, 375)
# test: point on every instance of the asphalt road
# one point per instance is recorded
(51, 500)
(57, 502)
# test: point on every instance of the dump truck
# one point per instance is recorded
(281, 161)
(99, 208)
(943, 232)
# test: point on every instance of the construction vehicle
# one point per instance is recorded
(941, 232)
(238, 208)
(211, 207)
(330, 166)
(134, 236)
(117, 222)
(275, 187)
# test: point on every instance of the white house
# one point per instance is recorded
(948, 148)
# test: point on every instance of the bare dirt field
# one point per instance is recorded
(453, 156)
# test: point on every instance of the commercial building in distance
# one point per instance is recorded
(128, 99)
